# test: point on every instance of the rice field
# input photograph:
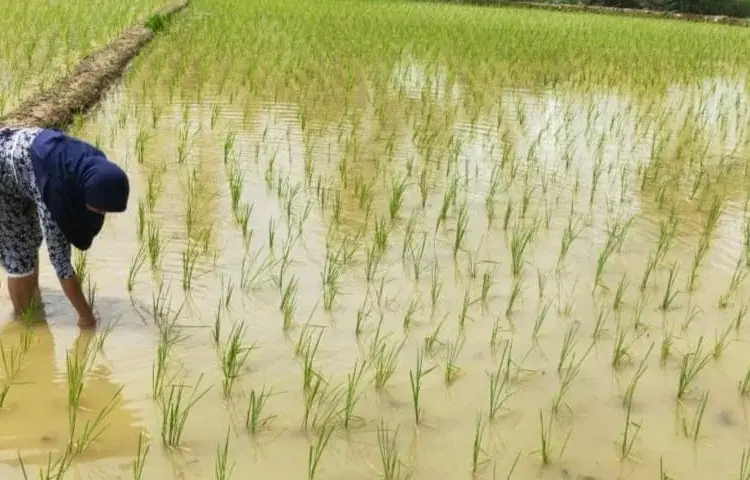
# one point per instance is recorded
(394, 240)
(43, 40)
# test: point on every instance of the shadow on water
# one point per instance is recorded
(34, 420)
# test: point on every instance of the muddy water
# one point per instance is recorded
(278, 152)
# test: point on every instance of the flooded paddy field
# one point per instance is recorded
(396, 240)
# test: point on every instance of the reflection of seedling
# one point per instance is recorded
(93, 429)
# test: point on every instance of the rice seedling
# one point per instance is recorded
(570, 233)
(462, 224)
(617, 300)
(640, 371)
(415, 380)
(384, 359)
(54, 470)
(316, 450)
(139, 462)
(155, 244)
(222, 469)
(308, 349)
(390, 458)
(478, 456)
(254, 269)
(416, 255)
(78, 363)
(322, 404)
(135, 266)
(464, 313)
(541, 316)
(692, 430)
(233, 357)
(354, 378)
(737, 278)
(397, 192)
(189, 258)
(515, 295)
(545, 439)
(330, 276)
(452, 370)
(255, 421)
(520, 241)
(500, 385)
(81, 266)
(601, 320)
(720, 343)
(630, 433)
(175, 408)
(692, 364)
(669, 293)
(650, 266)
(288, 305)
(570, 372)
(436, 286)
(698, 256)
(740, 317)
(745, 464)
(621, 348)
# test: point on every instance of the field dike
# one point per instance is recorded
(631, 12)
(77, 92)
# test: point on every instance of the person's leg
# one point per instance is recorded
(22, 290)
(21, 244)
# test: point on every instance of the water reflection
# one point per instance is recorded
(34, 421)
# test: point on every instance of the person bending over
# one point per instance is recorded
(57, 188)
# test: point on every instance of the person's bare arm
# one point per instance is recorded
(72, 288)
(59, 250)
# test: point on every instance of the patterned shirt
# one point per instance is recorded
(17, 178)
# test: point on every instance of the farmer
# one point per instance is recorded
(55, 187)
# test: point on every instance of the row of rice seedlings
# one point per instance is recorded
(382, 351)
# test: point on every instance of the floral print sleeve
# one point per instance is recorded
(57, 245)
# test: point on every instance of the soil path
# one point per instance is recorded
(85, 86)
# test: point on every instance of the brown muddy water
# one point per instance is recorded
(657, 165)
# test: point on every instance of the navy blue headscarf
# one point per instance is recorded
(72, 174)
